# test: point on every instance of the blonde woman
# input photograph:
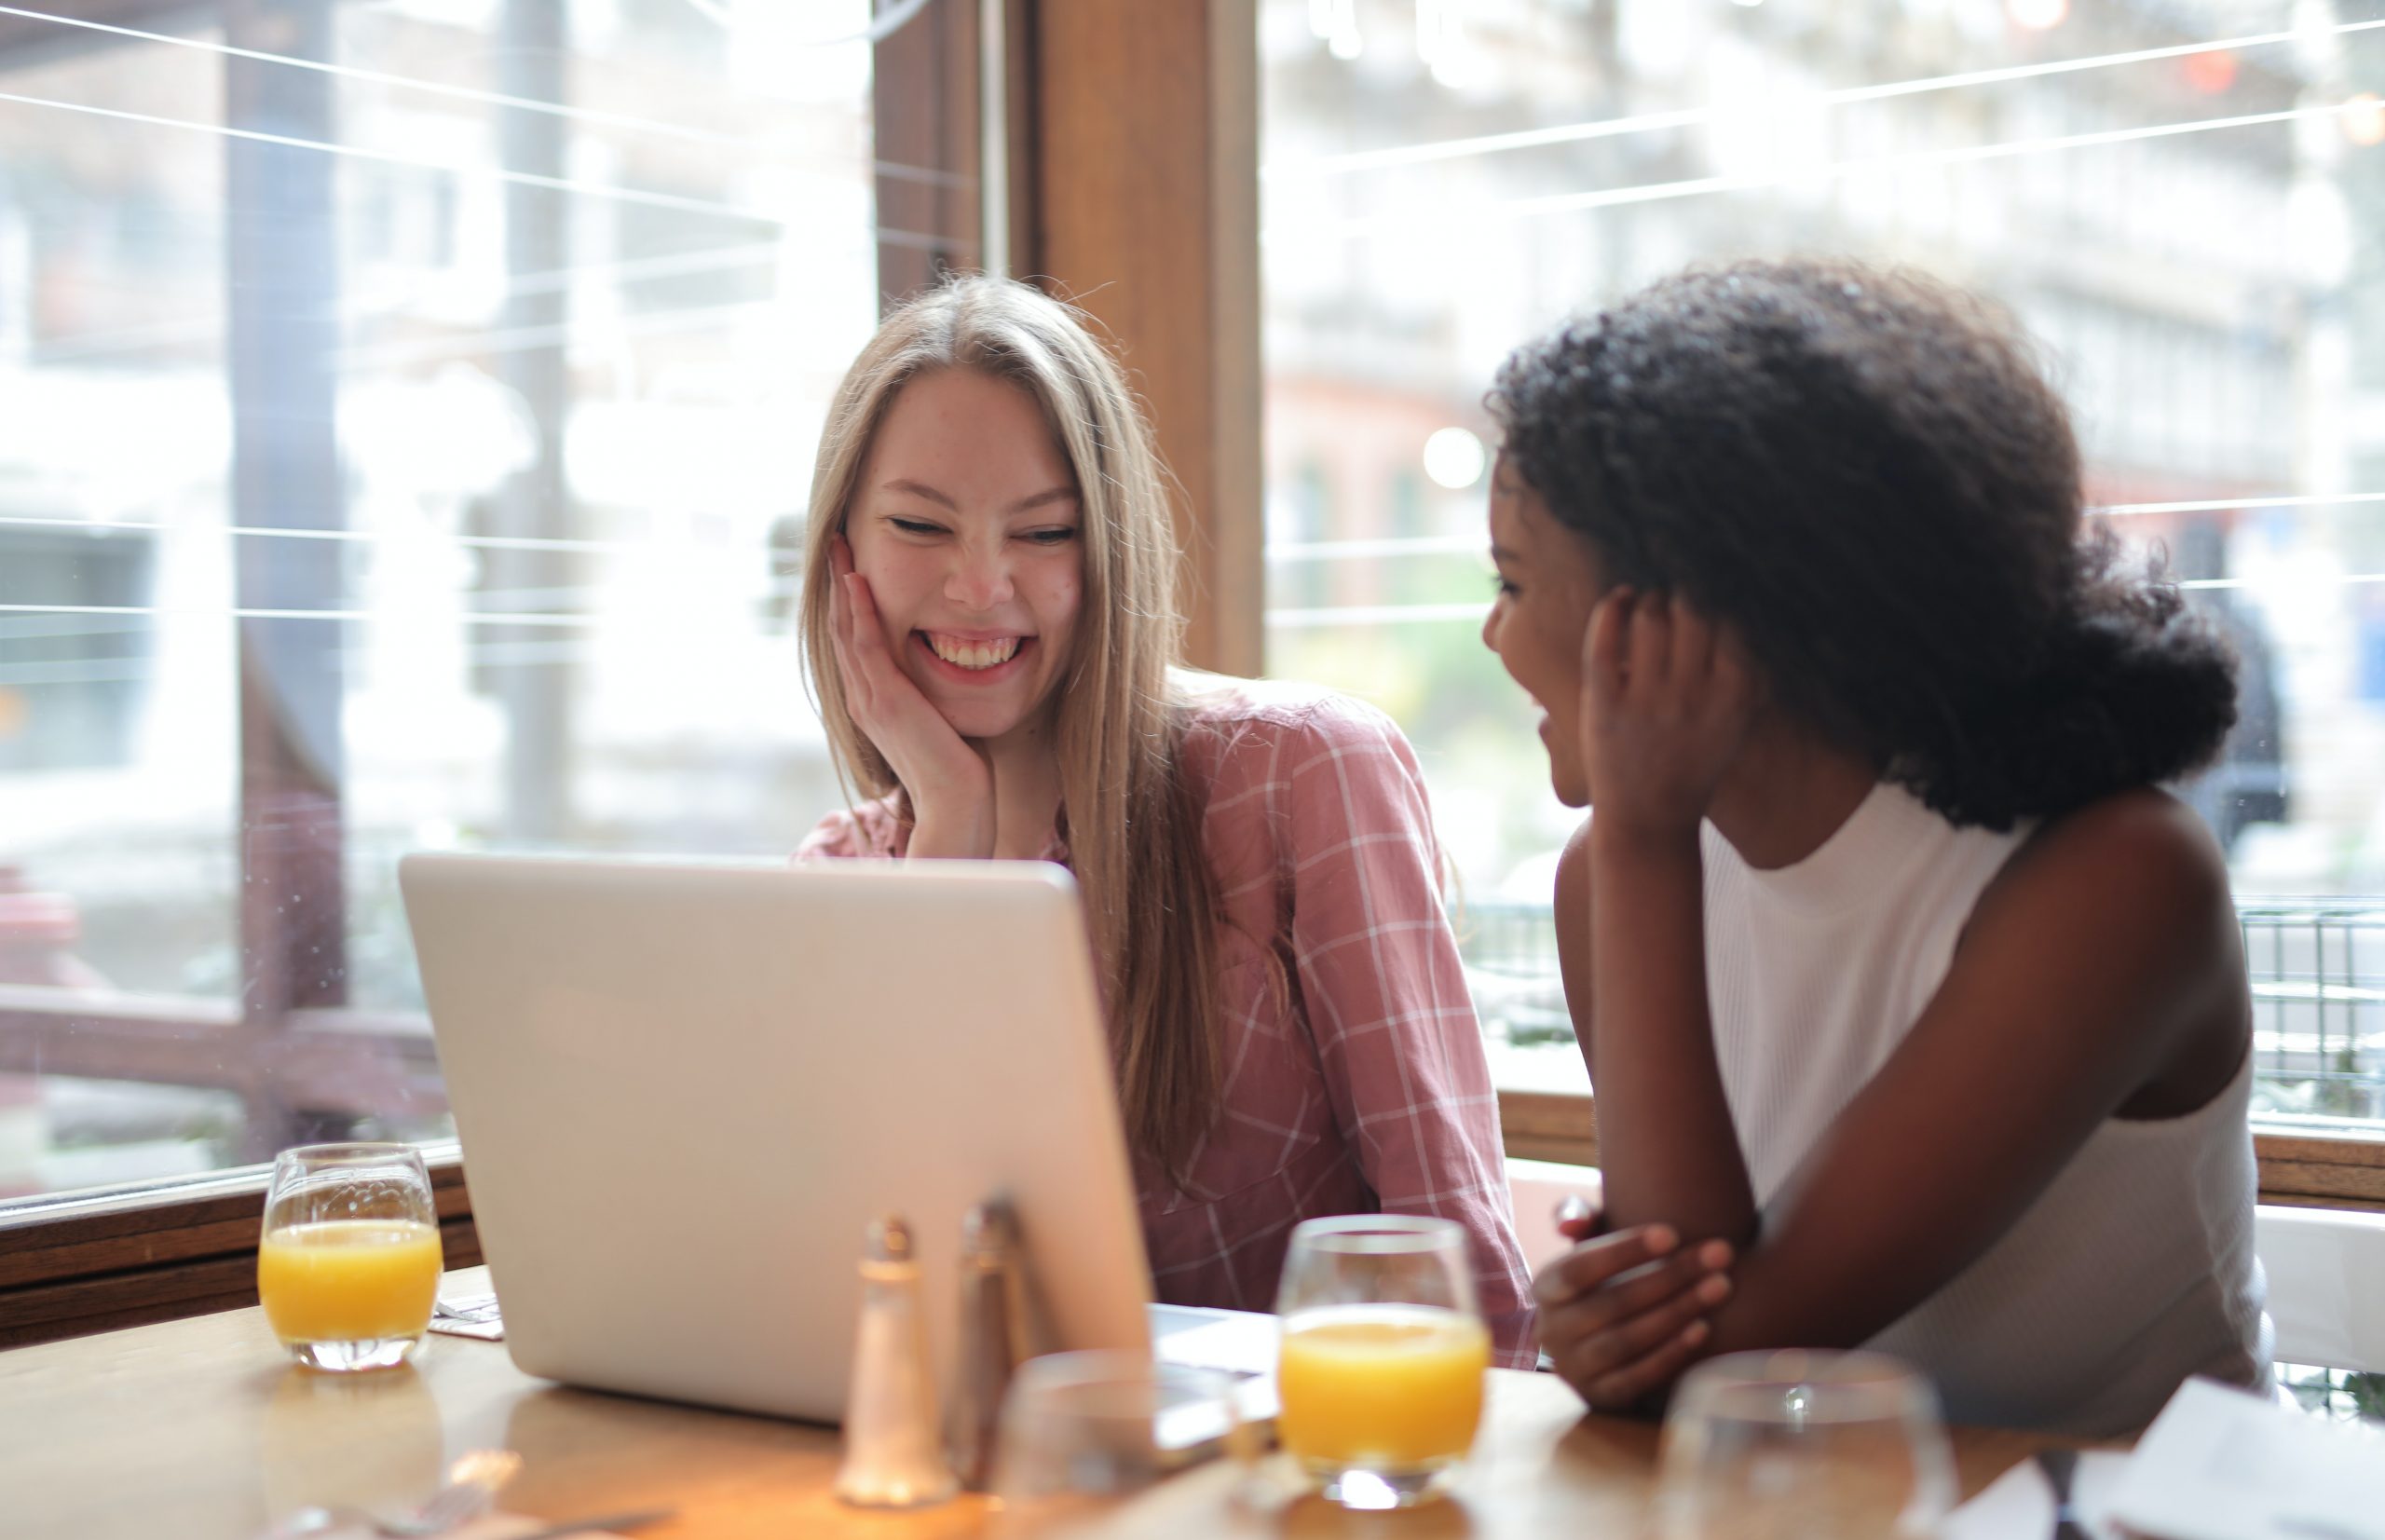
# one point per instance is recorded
(989, 611)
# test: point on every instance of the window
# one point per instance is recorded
(74, 691)
(2180, 200)
(411, 407)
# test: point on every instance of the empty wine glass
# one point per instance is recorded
(1803, 1445)
(1085, 1434)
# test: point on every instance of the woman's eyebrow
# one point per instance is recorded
(942, 499)
(920, 489)
(1501, 554)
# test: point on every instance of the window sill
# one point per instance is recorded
(79, 1263)
(84, 1263)
(2342, 1167)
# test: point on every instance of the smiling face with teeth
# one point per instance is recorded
(967, 526)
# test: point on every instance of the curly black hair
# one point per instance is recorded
(1866, 474)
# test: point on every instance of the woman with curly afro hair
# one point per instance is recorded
(1917, 1010)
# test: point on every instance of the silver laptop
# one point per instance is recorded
(684, 1090)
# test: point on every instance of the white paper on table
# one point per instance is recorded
(497, 1526)
(2223, 1463)
(492, 1526)
(470, 1315)
(2019, 1503)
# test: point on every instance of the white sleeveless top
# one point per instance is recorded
(2131, 1271)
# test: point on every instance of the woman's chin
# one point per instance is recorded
(979, 727)
(979, 720)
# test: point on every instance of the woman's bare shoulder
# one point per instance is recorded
(2128, 895)
(2144, 846)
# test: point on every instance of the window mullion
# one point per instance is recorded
(281, 299)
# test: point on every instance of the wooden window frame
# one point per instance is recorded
(1141, 205)
(1131, 138)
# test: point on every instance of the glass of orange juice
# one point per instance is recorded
(349, 1266)
(1383, 1359)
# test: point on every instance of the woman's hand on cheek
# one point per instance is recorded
(1667, 700)
(951, 784)
(1622, 1314)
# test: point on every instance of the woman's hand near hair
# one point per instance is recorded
(1667, 700)
(952, 786)
(1668, 703)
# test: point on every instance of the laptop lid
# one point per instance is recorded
(683, 1091)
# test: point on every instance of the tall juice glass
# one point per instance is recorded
(1383, 1355)
(349, 1266)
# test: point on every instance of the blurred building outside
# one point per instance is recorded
(2184, 200)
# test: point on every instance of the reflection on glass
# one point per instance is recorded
(2173, 201)
(308, 1455)
(405, 452)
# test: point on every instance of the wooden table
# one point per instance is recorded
(201, 1428)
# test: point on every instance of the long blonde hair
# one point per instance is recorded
(1133, 821)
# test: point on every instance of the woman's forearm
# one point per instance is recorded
(1666, 1139)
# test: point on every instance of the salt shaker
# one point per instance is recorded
(894, 1458)
(992, 1339)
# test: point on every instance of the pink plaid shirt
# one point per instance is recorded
(1364, 1091)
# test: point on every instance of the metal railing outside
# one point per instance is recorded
(2318, 975)
(2317, 969)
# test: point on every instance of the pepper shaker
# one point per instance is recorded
(992, 1339)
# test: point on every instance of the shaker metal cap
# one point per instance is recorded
(988, 1229)
(890, 1239)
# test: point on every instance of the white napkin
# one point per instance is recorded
(469, 1315)
(498, 1526)
(492, 1526)
(2019, 1503)
(2222, 1463)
